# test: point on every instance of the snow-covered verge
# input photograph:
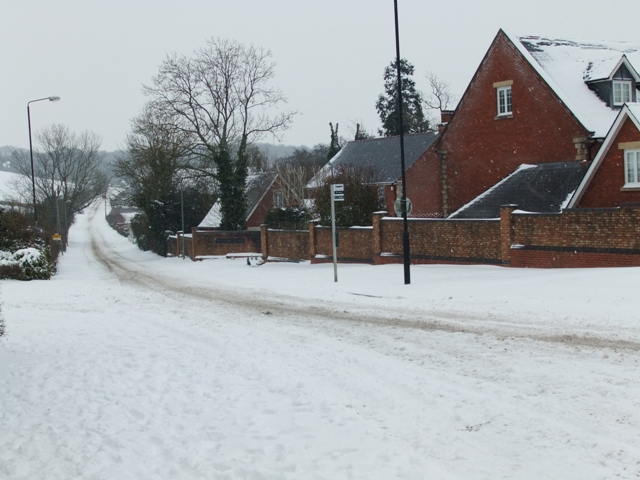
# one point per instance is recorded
(130, 366)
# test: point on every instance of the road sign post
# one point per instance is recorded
(337, 195)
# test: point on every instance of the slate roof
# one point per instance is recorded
(256, 188)
(543, 188)
(567, 65)
(380, 154)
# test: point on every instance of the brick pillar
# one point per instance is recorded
(377, 234)
(506, 231)
(264, 241)
(312, 240)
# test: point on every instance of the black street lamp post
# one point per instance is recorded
(33, 176)
(405, 231)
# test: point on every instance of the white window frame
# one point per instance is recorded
(624, 87)
(632, 168)
(278, 199)
(505, 104)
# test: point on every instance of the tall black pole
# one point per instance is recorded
(405, 232)
(182, 208)
(33, 177)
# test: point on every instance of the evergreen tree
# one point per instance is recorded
(414, 120)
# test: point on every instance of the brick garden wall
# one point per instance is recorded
(216, 242)
(289, 244)
(441, 241)
(354, 244)
(576, 238)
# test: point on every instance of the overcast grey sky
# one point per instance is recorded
(330, 54)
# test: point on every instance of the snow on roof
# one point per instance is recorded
(634, 109)
(566, 65)
(213, 217)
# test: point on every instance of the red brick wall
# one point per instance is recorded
(605, 187)
(577, 238)
(216, 242)
(551, 259)
(467, 241)
(355, 243)
(288, 244)
(482, 150)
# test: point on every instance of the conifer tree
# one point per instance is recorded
(387, 105)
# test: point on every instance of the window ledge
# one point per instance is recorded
(501, 117)
(630, 188)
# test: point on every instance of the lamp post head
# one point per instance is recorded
(54, 99)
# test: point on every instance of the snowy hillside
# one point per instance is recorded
(7, 180)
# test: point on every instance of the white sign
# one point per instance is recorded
(337, 192)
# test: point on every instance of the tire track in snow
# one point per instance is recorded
(291, 306)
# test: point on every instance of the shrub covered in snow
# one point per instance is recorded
(35, 263)
(24, 254)
(26, 264)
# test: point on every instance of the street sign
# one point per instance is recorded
(57, 237)
(337, 192)
(397, 207)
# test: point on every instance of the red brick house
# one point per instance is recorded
(613, 177)
(531, 101)
(382, 157)
(263, 194)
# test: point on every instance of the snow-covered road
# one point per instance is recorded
(130, 366)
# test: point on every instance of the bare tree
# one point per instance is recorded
(297, 169)
(221, 99)
(441, 97)
(68, 169)
(293, 180)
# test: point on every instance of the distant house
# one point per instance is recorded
(532, 101)
(613, 177)
(382, 157)
(263, 194)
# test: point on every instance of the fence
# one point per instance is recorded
(574, 238)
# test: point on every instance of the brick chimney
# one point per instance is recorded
(445, 118)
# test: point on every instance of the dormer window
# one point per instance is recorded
(621, 92)
(503, 96)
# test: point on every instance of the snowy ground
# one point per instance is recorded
(131, 366)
